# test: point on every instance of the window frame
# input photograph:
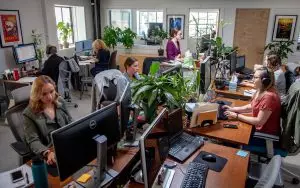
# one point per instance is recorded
(71, 19)
(139, 19)
(130, 16)
(207, 11)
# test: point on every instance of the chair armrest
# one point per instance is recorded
(266, 136)
(21, 148)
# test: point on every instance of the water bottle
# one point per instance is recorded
(39, 172)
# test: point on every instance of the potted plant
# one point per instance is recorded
(65, 32)
(38, 42)
(127, 38)
(111, 36)
(160, 35)
(281, 48)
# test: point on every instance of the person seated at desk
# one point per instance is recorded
(102, 56)
(265, 105)
(131, 69)
(51, 65)
(273, 62)
(45, 113)
(173, 47)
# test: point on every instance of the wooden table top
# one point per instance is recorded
(233, 174)
(124, 156)
(238, 93)
(240, 136)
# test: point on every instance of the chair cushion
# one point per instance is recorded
(21, 95)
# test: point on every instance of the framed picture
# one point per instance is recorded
(284, 27)
(175, 22)
(10, 28)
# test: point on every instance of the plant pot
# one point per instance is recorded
(160, 52)
(149, 111)
(66, 44)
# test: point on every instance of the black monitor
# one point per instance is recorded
(240, 63)
(154, 146)
(125, 102)
(173, 70)
(74, 145)
(207, 74)
(233, 61)
(24, 53)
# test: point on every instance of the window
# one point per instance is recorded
(75, 17)
(207, 20)
(147, 20)
(120, 18)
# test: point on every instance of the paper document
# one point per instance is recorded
(6, 180)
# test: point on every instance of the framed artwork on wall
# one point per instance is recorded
(284, 27)
(175, 22)
(10, 28)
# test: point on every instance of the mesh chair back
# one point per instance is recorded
(9, 86)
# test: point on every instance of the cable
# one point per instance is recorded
(109, 174)
(80, 184)
(180, 170)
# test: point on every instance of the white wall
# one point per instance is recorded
(39, 14)
(227, 12)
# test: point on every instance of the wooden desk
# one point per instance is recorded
(238, 136)
(139, 57)
(233, 174)
(238, 94)
(122, 164)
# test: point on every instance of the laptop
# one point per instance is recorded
(182, 144)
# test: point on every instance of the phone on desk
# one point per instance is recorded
(17, 176)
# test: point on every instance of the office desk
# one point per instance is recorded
(85, 66)
(122, 164)
(238, 94)
(139, 57)
(238, 136)
(233, 174)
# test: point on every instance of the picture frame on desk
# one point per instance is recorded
(284, 27)
(175, 21)
(10, 28)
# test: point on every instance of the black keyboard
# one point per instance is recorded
(195, 176)
(221, 111)
(184, 145)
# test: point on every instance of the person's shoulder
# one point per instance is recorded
(28, 112)
(272, 94)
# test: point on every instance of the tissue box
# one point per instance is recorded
(232, 86)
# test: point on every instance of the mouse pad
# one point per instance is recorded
(215, 166)
(52, 170)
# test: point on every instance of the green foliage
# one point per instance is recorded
(127, 38)
(38, 42)
(111, 36)
(281, 48)
(160, 35)
(220, 50)
(65, 30)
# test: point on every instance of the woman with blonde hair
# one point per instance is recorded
(102, 54)
(45, 113)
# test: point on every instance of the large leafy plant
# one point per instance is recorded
(160, 35)
(127, 38)
(65, 31)
(111, 36)
(280, 48)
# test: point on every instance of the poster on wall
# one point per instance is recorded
(175, 22)
(284, 27)
(10, 28)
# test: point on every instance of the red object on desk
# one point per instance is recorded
(16, 74)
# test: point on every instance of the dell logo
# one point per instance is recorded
(93, 124)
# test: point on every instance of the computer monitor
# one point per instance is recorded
(125, 102)
(154, 146)
(240, 63)
(207, 73)
(74, 145)
(232, 58)
(79, 46)
(24, 53)
(87, 45)
(173, 70)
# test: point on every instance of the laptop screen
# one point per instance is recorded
(175, 124)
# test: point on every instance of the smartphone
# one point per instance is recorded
(17, 176)
(231, 126)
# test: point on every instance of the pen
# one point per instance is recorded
(27, 179)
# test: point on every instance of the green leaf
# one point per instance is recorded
(154, 68)
(152, 97)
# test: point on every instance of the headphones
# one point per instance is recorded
(265, 77)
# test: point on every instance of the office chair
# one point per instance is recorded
(113, 60)
(15, 121)
(64, 81)
(148, 62)
(10, 85)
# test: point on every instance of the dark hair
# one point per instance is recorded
(50, 49)
(273, 61)
(174, 32)
(129, 61)
(267, 77)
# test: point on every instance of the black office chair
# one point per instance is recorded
(15, 121)
(10, 85)
(112, 64)
(148, 62)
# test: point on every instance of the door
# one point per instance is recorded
(250, 33)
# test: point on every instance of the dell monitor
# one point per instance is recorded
(24, 53)
(154, 146)
(79, 46)
(74, 145)
(87, 45)
(125, 102)
(240, 63)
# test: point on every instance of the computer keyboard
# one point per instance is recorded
(221, 111)
(195, 176)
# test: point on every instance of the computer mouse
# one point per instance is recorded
(209, 158)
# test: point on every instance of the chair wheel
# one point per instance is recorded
(295, 181)
(76, 105)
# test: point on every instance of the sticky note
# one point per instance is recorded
(84, 178)
(242, 153)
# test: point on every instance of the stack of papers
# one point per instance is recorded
(249, 92)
